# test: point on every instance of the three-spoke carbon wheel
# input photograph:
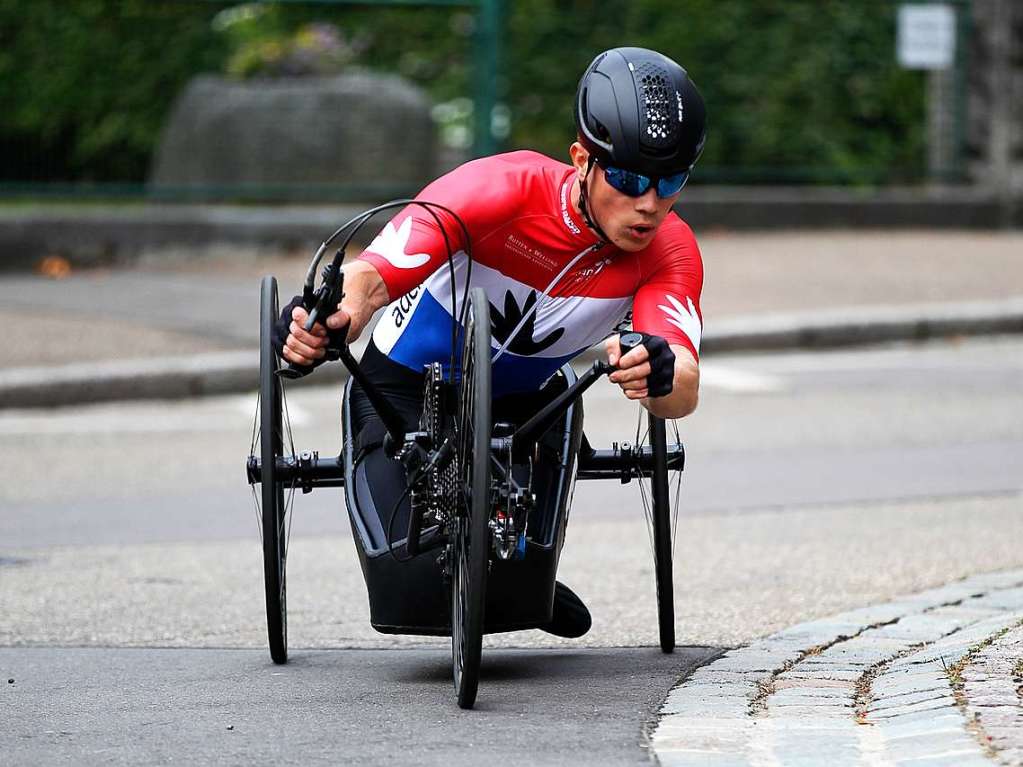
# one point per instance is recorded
(470, 531)
(272, 491)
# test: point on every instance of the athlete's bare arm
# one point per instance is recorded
(365, 292)
(686, 390)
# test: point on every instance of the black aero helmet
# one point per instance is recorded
(638, 110)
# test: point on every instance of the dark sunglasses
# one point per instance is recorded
(636, 184)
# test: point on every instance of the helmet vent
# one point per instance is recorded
(659, 112)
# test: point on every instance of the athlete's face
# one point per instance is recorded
(629, 222)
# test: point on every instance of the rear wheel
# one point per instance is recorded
(470, 535)
(274, 499)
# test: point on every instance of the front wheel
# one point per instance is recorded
(470, 530)
(661, 523)
(273, 504)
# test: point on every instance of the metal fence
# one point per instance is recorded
(480, 69)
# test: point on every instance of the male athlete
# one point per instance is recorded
(564, 253)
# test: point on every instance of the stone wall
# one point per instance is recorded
(360, 129)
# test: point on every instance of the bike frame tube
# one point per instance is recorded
(527, 434)
(391, 420)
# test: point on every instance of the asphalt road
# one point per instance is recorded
(386, 707)
(815, 483)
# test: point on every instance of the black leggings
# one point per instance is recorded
(385, 476)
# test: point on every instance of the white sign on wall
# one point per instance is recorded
(926, 36)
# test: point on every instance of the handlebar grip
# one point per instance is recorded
(314, 314)
(629, 341)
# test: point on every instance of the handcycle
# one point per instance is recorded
(488, 499)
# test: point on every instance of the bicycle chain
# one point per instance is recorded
(434, 495)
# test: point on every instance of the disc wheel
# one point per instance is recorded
(661, 494)
(470, 536)
(274, 500)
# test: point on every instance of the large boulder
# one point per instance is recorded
(370, 131)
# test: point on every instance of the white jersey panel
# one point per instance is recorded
(562, 326)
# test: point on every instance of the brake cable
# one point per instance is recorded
(325, 300)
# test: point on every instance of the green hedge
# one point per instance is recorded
(796, 89)
(86, 84)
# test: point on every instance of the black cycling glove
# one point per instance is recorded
(282, 328)
(662, 362)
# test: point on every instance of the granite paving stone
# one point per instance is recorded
(895, 695)
(910, 699)
(931, 746)
(943, 721)
(1012, 756)
(960, 614)
(823, 673)
(964, 758)
(1007, 599)
(719, 710)
(670, 758)
(904, 713)
(790, 699)
(803, 709)
(705, 675)
(927, 738)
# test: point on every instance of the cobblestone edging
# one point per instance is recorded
(992, 695)
(924, 680)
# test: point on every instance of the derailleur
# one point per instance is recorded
(507, 525)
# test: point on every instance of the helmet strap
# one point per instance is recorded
(590, 222)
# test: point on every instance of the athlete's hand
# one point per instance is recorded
(304, 347)
(301, 347)
(645, 371)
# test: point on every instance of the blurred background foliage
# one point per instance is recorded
(797, 90)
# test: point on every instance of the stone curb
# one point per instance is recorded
(101, 233)
(226, 372)
(878, 685)
(852, 326)
(993, 692)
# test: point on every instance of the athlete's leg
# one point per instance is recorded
(385, 477)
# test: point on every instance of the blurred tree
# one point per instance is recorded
(797, 90)
(794, 89)
(86, 84)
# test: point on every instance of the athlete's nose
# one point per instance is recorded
(647, 202)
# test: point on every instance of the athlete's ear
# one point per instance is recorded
(580, 159)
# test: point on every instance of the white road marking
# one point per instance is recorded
(716, 376)
(90, 423)
(220, 414)
(996, 353)
(231, 412)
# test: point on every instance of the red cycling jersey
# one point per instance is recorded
(554, 288)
